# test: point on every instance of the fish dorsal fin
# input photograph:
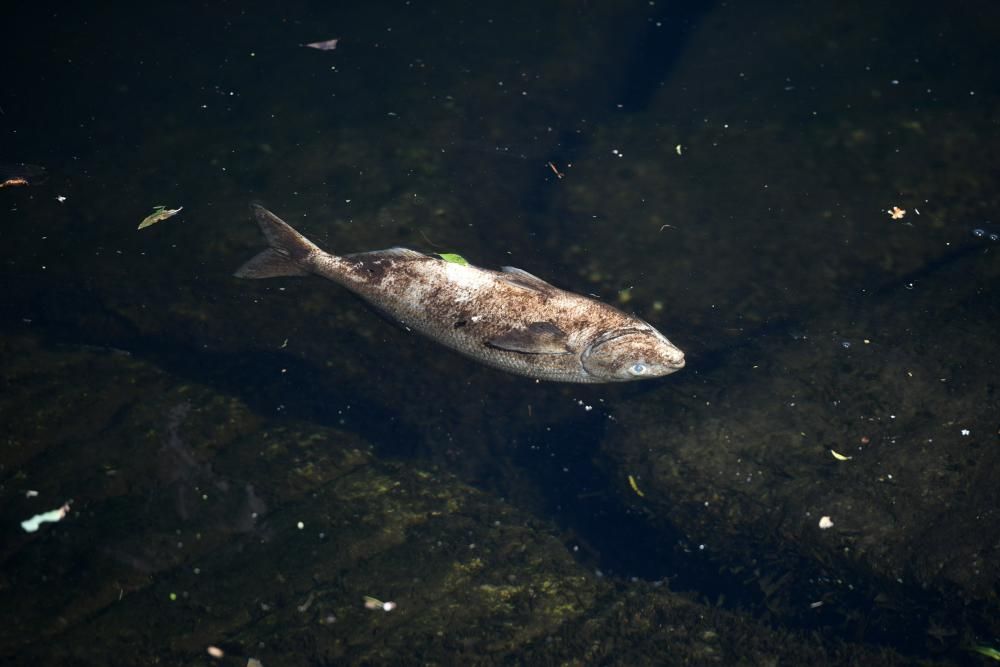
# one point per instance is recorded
(403, 253)
(522, 278)
(393, 253)
(536, 338)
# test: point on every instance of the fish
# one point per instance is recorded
(510, 319)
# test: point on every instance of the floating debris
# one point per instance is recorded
(13, 175)
(825, 523)
(840, 457)
(375, 603)
(216, 652)
(159, 214)
(896, 213)
(32, 524)
(453, 258)
(304, 607)
(326, 45)
(635, 487)
(988, 651)
(555, 170)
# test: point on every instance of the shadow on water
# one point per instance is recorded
(639, 76)
(234, 373)
(604, 530)
(561, 459)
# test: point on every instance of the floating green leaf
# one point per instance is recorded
(159, 214)
(453, 258)
(988, 651)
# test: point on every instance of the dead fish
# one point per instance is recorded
(507, 319)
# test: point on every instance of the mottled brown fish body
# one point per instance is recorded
(507, 319)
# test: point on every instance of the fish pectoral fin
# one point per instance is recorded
(536, 338)
(522, 278)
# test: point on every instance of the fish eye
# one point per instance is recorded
(637, 369)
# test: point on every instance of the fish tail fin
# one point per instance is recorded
(288, 255)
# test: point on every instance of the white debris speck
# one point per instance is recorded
(216, 652)
(32, 524)
(304, 607)
(375, 603)
(30, 493)
(300, 525)
(825, 522)
(966, 431)
(325, 45)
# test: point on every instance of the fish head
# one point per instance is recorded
(631, 354)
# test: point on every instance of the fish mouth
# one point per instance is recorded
(610, 360)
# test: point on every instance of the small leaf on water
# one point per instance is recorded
(453, 258)
(159, 214)
(988, 651)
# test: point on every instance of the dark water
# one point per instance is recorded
(245, 462)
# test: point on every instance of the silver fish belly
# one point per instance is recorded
(507, 319)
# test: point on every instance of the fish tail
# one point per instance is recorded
(288, 255)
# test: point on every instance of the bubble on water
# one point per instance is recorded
(994, 237)
(846, 344)
(979, 232)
